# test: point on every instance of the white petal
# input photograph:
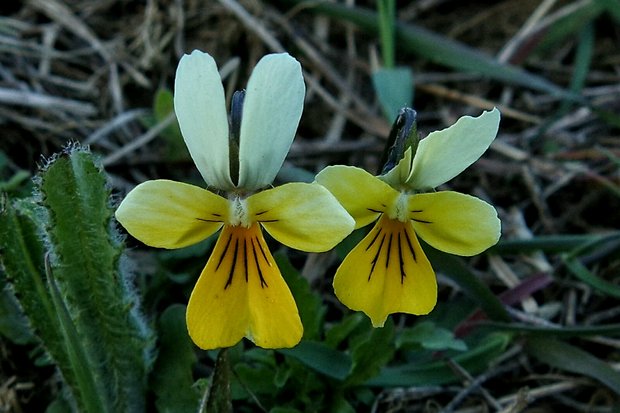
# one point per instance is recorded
(446, 153)
(200, 107)
(273, 104)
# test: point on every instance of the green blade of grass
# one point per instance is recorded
(545, 243)
(566, 357)
(584, 274)
(612, 330)
(597, 248)
(387, 17)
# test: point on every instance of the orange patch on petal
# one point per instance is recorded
(241, 293)
(387, 272)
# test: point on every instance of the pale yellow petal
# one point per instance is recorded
(241, 293)
(169, 214)
(455, 223)
(363, 195)
(200, 107)
(272, 109)
(444, 154)
(387, 272)
(401, 172)
(303, 216)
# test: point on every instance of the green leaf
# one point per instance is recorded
(13, 323)
(93, 399)
(321, 358)
(58, 406)
(564, 356)
(86, 260)
(611, 7)
(309, 304)
(284, 410)
(339, 332)
(431, 337)
(474, 360)
(172, 378)
(340, 405)
(163, 107)
(370, 352)
(22, 261)
(394, 88)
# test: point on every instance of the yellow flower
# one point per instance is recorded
(388, 272)
(240, 293)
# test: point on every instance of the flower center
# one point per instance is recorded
(239, 215)
(400, 209)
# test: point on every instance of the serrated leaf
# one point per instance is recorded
(21, 223)
(93, 399)
(85, 261)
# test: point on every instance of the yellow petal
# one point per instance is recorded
(364, 196)
(169, 214)
(303, 216)
(241, 293)
(455, 223)
(387, 272)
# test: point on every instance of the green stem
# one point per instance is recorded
(387, 16)
(219, 394)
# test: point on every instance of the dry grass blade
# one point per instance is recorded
(40, 101)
